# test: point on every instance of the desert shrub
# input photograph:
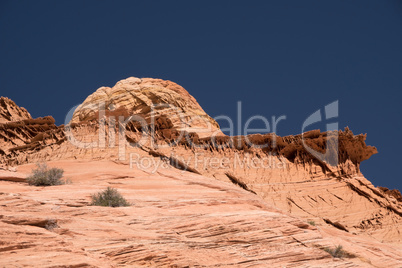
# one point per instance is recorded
(312, 223)
(339, 252)
(43, 176)
(109, 198)
(51, 224)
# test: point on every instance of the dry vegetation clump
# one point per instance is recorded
(109, 198)
(339, 252)
(44, 176)
(312, 223)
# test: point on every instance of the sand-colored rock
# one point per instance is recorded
(149, 98)
(345, 206)
(178, 219)
(304, 186)
(19, 138)
(9, 111)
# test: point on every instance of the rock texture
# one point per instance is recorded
(298, 183)
(177, 220)
(9, 111)
(167, 102)
(20, 138)
(184, 181)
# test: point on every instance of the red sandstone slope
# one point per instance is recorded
(337, 198)
(177, 220)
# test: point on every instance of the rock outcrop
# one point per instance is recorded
(9, 111)
(180, 138)
(294, 181)
(149, 98)
(20, 138)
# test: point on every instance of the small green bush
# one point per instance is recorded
(109, 198)
(312, 223)
(43, 176)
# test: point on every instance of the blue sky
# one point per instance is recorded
(277, 57)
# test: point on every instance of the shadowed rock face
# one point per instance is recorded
(336, 197)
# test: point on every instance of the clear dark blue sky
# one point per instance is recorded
(278, 57)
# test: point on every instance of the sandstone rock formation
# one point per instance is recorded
(20, 134)
(168, 102)
(191, 167)
(9, 111)
(177, 220)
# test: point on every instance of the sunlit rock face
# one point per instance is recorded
(20, 133)
(200, 194)
(149, 98)
(177, 219)
(10, 112)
